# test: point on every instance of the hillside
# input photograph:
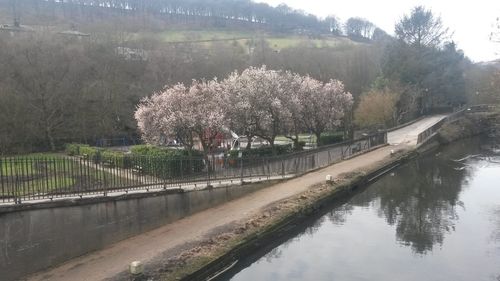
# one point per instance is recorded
(173, 22)
(276, 41)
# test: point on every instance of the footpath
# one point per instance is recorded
(172, 238)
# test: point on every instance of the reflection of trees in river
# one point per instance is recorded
(420, 199)
(338, 215)
(496, 223)
(422, 202)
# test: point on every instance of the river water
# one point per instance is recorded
(435, 218)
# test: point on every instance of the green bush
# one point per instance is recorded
(152, 160)
(72, 149)
(265, 151)
(115, 159)
(166, 163)
(90, 152)
(331, 138)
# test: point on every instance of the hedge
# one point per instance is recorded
(331, 138)
(150, 160)
(167, 163)
(265, 151)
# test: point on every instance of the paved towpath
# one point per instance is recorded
(409, 135)
(114, 259)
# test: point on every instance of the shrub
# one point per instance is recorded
(115, 159)
(331, 138)
(153, 160)
(148, 150)
(166, 163)
(72, 149)
(265, 151)
(90, 152)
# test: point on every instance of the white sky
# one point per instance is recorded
(470, 21)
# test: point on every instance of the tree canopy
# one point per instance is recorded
(256, 102)
(421, 28)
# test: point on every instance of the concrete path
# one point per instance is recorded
(409, 135)
(111, 261)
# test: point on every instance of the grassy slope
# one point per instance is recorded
(276, 41)
(180, 33)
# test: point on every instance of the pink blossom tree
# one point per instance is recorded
(323, 105)
(183, 114)
(293, 125)
(255, 103)
(241, 114)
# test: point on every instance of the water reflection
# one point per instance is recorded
(446, 203)
(420, 200)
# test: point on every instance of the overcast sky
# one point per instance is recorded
(471, 21)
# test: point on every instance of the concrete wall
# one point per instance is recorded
(32, 239)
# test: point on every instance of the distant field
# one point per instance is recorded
(276, 42)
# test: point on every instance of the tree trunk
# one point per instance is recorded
(249, 142)
(271, 143)
(50, 139)
(295, 140)
(318, 138)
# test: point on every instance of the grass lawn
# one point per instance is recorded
(302, 137)
(42, 185)
(15, 167)
(48, 172)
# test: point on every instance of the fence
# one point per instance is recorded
(33, 178)
(425, 135)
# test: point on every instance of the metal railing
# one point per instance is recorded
(425, 135)
(39, 177)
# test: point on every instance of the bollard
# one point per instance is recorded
(329, 179)
(136, 268)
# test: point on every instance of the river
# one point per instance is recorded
(434, 218)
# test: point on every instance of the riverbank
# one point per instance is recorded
(469, 125)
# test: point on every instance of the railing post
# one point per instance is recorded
(282, 168)
(2, 188)
(209, 167)
(241, 169)
(268, 169)
(181, 171)
(16, 191)
(213, 169)
(296, 165)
